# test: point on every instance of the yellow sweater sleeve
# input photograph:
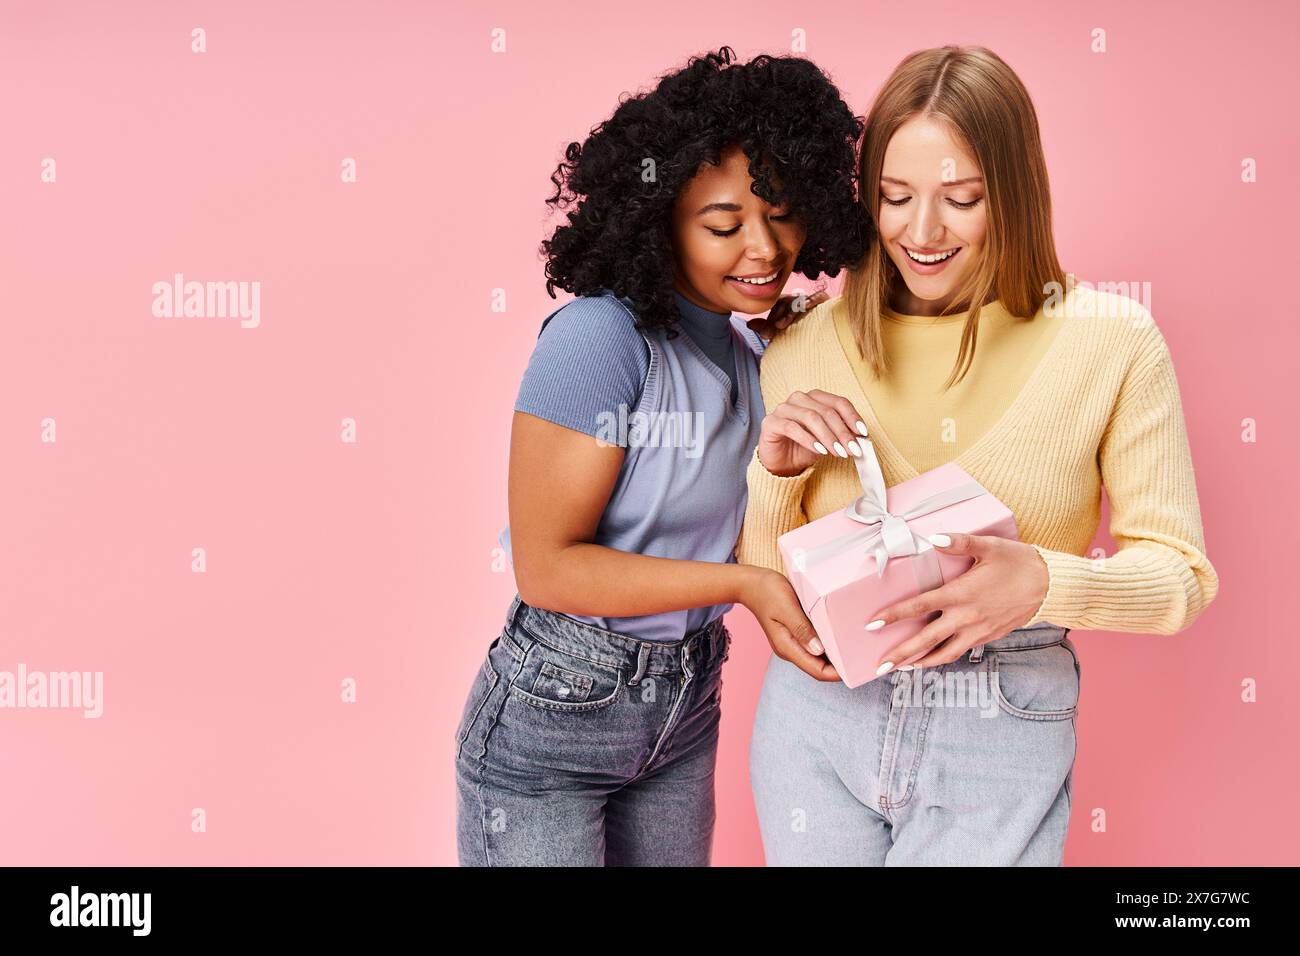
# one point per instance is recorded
(775, 504)
(1159, 580)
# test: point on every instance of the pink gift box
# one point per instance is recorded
(834, 562)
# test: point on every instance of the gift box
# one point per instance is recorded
(854, 562)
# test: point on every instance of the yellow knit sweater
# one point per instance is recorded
(1100, 406)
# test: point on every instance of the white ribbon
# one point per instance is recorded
(889, 535)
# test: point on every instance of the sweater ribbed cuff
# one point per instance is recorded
(775, 506)
(1137, 590)
(1062, 580)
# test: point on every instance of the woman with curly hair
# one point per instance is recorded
(589, 735)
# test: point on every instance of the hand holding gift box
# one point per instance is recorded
(876, 551)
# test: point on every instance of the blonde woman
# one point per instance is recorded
(960, 338)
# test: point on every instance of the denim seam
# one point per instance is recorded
(580, 682)
(1026, 647)
(515, 650)
(914, 769)
(482, 762)
(540, 639)
(665, 730)
(596, 632)
(469, 726)
(889, 749)
(589, 630)
(567, 622)
(887, 756)
(670, 721)
(1074, 726)
(570, 707)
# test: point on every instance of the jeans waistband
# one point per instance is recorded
(602, 646)
(1036, 635)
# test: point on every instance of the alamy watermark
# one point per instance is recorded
(934, 687)
(1119, 300)
(77, 908)
(57, 690)
(208, 300)
(651, 430)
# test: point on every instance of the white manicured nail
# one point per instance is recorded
(875, 625)
(820, 447)
(853, 447)
(862, 430)
(816, 646)
(884, 667)
(907, 667)
(839, 450)
(942, 540)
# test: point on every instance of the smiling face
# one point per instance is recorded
(933, 214)
(732, 250)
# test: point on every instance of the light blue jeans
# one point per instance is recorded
(963, 764)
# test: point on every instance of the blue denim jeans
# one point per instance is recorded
(580, 746)
(963, 764)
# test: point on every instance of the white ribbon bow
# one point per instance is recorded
(889, 535)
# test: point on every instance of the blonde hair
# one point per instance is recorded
(985, 104)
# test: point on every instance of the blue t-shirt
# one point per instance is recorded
(681, 490)
(593, 341)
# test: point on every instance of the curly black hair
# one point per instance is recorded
(786, 115)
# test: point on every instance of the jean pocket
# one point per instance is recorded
(556, 681)
(1035, 683)
(479, 691)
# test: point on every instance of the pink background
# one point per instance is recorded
(374, 560)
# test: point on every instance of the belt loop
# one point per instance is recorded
(977, 653)
(516, 612)
(642, 661)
